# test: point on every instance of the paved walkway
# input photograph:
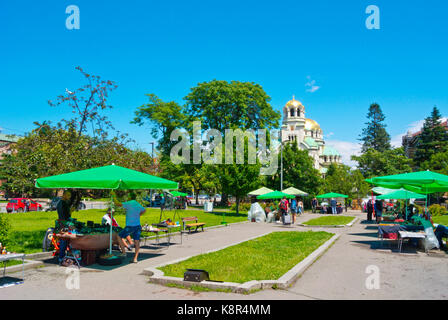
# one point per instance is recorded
(339, 274)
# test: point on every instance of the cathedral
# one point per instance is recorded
(308, 134)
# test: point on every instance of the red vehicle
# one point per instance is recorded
(22, 205)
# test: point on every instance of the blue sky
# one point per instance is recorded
(167, 47)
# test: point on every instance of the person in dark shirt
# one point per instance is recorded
(314, 204)
(64, 213)
(63, 206)
(369, 210)
(378, 210)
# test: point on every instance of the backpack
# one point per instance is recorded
(283, 205)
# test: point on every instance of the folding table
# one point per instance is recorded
(409, 235)
(12, 256)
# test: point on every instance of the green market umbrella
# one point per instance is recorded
(259, 192)
(381, 190)
(402, 194)
(295, 192)
(108, 177)
(178, 194)
(275, 195)
(424, 182)
(332, 195)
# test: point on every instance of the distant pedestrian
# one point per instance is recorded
(333, 205)
(300, 207)
(294, 210)
(283, 208)
(378, 207)
(369, 209)
(314, 205)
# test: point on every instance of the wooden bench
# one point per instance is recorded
(190, 226)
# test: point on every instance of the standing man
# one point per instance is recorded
(284, 208)
(369, 209)
(294, 210)
(133, 226)
(314, 204)
(378, 210)
(333, 205)
(64, 213)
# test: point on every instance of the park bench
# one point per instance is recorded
(190, 226)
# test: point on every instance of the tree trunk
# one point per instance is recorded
(237, 204)
(196, 194)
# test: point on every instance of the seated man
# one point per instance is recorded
(441, 232)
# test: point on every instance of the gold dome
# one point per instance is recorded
(312, 125)
(293, 103)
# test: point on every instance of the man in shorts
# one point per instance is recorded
(133, 226)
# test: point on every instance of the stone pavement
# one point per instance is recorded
(339, 274)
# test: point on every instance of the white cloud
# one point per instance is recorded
(414, 127)
(346, 149)
(311, 84)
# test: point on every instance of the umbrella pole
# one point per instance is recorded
(111, 219)
(406, 201)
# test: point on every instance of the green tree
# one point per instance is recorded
(437, 163)
(224, 105)
(375, 136)
(432, 140)
(374, 163)
(298, 171)
(47, 151)
(338, 179)
(163, 117)
(341, 178)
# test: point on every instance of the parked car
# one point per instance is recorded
(54, 203)
(22, 205)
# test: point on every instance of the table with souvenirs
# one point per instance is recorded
(86, 241)
(166, 227)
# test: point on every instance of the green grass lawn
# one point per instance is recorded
(441, 220)
(12, 263)
(329, 221)
(265, 258)
(28, 229)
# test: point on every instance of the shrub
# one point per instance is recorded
(243, 206)
(437, 210)
(5, 226)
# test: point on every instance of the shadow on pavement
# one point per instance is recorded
(387, 245)
(125, 261)
(367, 222)
(370, 234)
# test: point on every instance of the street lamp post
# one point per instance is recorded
(281, 161)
